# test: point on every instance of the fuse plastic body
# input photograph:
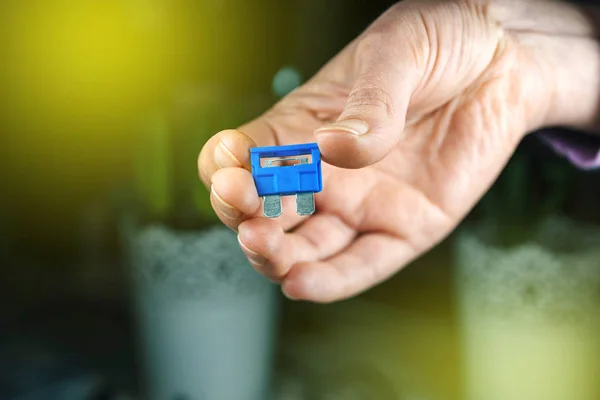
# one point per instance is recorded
(302, 179)
(290, 179)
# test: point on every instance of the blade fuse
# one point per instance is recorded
(285, 171)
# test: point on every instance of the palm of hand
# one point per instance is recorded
(371, 221)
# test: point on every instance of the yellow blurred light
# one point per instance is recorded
(69, 57)
(77, 75)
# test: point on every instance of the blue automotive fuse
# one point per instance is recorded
(285, 171)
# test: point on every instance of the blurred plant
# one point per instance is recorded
(166, 176)
(528, 190)
(152, 166)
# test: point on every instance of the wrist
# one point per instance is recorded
(561, 40)
(574, 59)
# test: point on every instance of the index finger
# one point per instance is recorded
(228, 148)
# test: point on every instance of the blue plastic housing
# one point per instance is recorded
(290, 179)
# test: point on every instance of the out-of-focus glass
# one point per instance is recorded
(530, 313)
(206, 320)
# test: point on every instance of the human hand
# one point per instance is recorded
(415, 119)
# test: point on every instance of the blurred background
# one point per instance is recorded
(105, 106)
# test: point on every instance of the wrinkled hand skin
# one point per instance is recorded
(447, 90)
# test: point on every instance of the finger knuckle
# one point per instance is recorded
(371, 41)
(369, 98)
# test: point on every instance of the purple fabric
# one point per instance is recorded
(582, 151)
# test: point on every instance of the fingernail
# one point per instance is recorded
(224, 157)
(253, 256)
(225, 208)
(286, 294)
(354, 126)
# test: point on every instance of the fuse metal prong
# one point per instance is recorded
(305, 203)
(272, 206)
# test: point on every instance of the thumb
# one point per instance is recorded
(400, 59)
(373, 118)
